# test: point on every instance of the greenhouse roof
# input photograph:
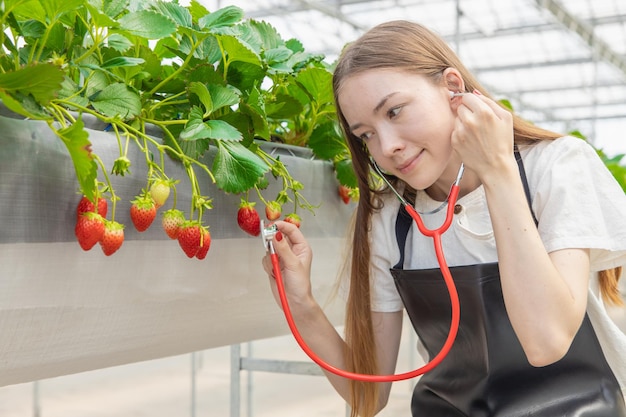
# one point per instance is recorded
(561, 64)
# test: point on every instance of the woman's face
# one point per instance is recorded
(406, 121)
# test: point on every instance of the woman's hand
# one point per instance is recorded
(483, 134)
(295, 256)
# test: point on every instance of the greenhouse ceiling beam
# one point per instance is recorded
(600, 49)
(306, 5)
(333, 12)
(530, 65)
(559, 88)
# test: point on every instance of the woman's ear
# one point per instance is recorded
(453, 81)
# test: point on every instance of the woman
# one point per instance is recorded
(539, 225)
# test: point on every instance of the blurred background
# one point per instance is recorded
(561, 64)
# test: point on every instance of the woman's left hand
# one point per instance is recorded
(483, 134)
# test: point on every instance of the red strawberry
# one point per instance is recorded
(142, 212)
(189, 238)
(344, 193)
(85, 205)
(272, 210)
(294, 219)
(113, 237)
(248, 218)
(204, 244)
(160, 191)
(171, 221)
(89, 229)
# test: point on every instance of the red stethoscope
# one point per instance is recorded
(267, 234)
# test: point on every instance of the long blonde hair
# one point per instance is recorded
(413, 48)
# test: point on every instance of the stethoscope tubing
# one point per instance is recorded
(435, 234)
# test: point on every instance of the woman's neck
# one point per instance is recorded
(441, 188)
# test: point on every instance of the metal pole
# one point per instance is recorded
(235, 380)
(36, 403)
(457, 33)
(192, 411)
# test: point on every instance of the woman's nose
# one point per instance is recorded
(390, 144)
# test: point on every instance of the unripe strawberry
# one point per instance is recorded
(272, 210)
(293, 218)
(113, 237)
(248, 218)
(171, 221)
(160, 191)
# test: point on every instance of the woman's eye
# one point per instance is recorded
(365, 136)
(393, 112)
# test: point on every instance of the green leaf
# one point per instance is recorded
(326, 142)
(75, 138)
(283, 107)
(203, 94)
(345, 173)
(212, 129)
(119, 43)
(117, 100)
(318, 83)
(18, 107)
(70, 92)
(42, 81)
(54, 8)
(176, 12)
(279, 54)
(147, 24)
(223, 96)
(122, 61)
(236, 168)
(226, 16)
(238, 51)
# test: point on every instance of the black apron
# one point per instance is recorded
(486, 373)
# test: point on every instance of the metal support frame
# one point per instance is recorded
(239, 363)
(599, 48)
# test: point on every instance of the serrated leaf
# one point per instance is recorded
(42, 81)
(326, 142)
(119, 43)
(238, 51)
(117, 100)
(345, 173)
(318, 83)
(236, 168)
(18, 107)
(70, 92)
(76, 139)
(122, 61)
(279, 54)
(176, 12)
(283, 106)
(147, 24)
(203, 94)
(223, 96)
(211, 129)
(226, 16)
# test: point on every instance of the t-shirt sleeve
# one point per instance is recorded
(384, 255)
(577, 201)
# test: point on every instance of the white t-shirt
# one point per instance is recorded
(577, 202)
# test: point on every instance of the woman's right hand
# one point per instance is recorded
(295, 256)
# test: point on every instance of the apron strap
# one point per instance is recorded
(404, 220)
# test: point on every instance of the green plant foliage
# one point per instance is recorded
(207, 79)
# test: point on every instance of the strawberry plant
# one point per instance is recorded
(213, 84)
